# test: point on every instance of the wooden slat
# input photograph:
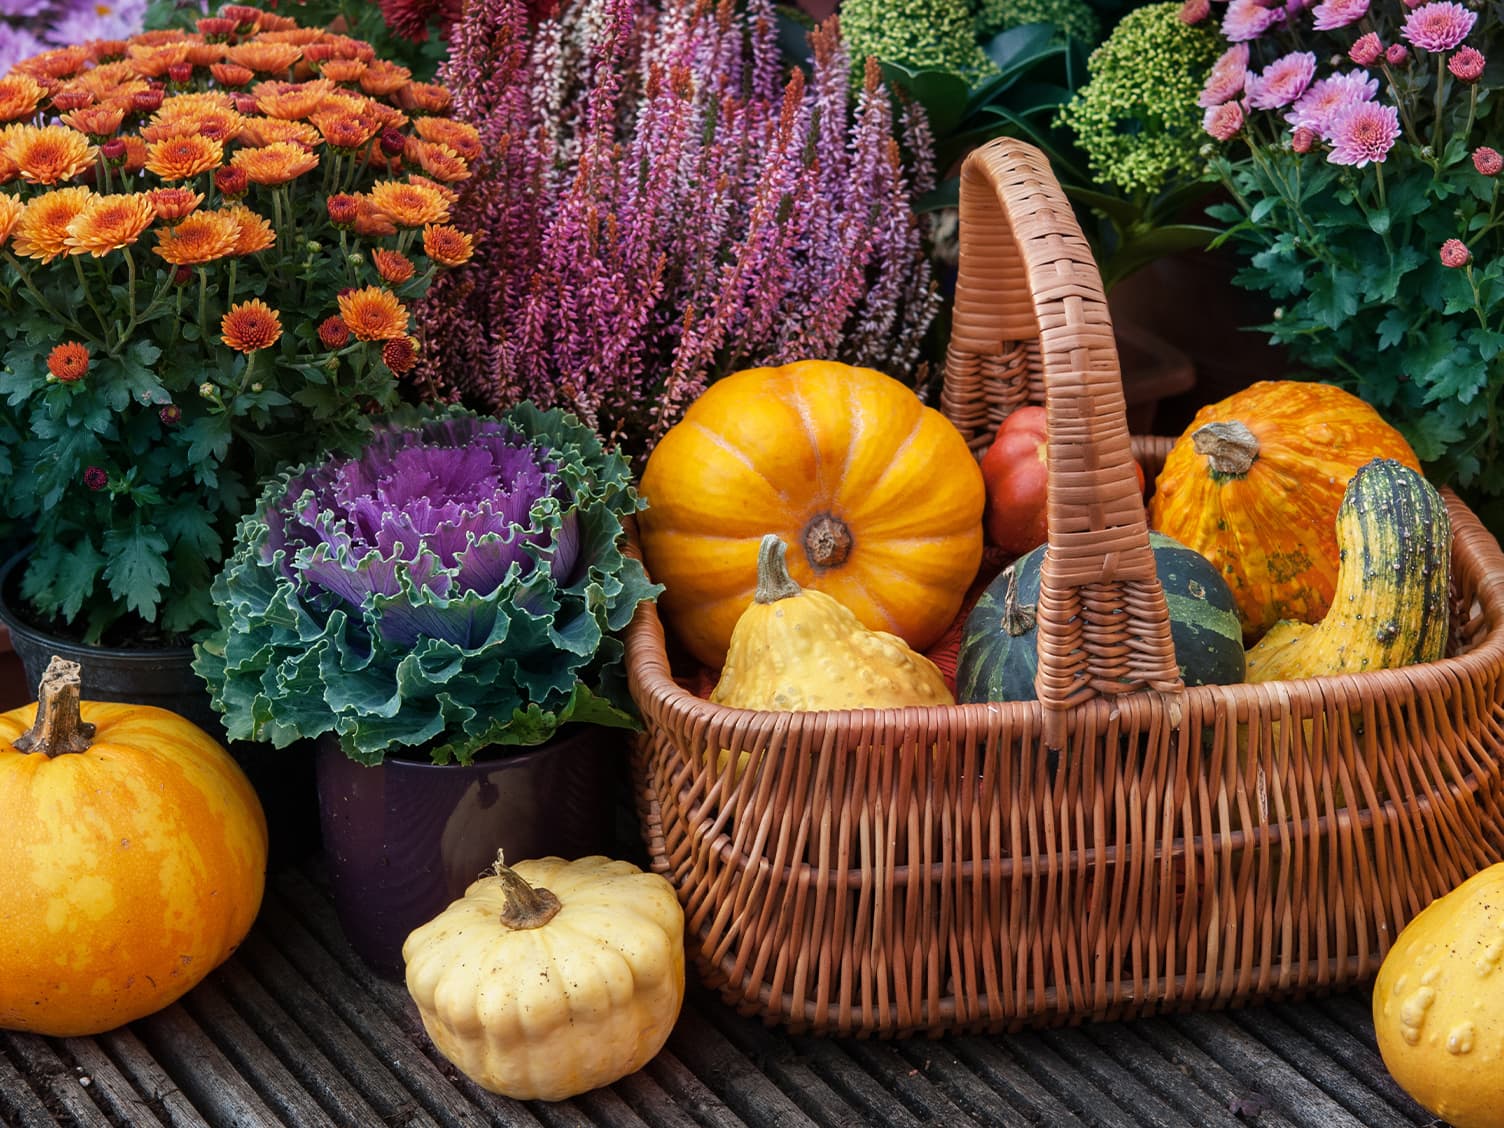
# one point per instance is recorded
(916, 1089)
(19, 1103)
(735, 1079)
(58, 1083)
(224, 1097)
(690, 1092)
(137, 1064)
(1076, 1056)
(988, 1079)
(109, 1087)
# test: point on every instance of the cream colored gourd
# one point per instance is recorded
(553, 977)
(799, 649)
(1438, 1004)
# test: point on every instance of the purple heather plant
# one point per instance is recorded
(663, 205)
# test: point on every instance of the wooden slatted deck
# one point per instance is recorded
(295, 1031)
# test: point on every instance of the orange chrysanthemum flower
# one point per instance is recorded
(48, 154)
(42, 230)
(373, 314)
(184, 156)
(108, 223)
(203, 237)
(276, 163)
(173, 204)
(97, 121)
(249, 326)
(342, 70)
(69, 361)
(394, 267)
(151, 61)
(291, 33)
(210, 114)
(424, 97)
(344, 47)
(256, 232)
(400, 354)
(446, 192)
(261, 131)
(447, 246)
(265, 58)
(409, 205)
(205, 54)
(383, 77)
(70, 97)
(62, 62)
(292, 101)
(439, 161)
(109, 50)
(346, 131)
(334, 333)
(10, 211)
(135, 155)
(20, 95)
(370, 222)
(460, 136)
(231, 75)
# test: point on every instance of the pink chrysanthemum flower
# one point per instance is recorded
(1363, 132)
(1396, 54)
(1282, 81)
(1438, 26)
(1194, 11)
(1367, 50)
(1319, 104)
(1487, 161)
(1467, 65)
(1332, 14)
(1454, 253)
(1248, 19)
(1225, 81)
(1302, 140)
(1223, 122)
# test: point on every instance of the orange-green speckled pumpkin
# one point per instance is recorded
(1254, 484)
(134, 860)
(877, 496)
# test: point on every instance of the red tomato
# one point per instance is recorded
(1017, 476)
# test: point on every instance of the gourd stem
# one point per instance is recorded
(1018, 618)
(527, 906)
(773, 579)
(1230, 447)
(59, 728)
(827, 541)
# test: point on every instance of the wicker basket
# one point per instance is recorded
(1124, 845)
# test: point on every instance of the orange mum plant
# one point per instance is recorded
(210, 245)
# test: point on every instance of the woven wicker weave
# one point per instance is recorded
(1122, 846)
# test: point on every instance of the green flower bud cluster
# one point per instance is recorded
(1073, 18)
(1136, 118)
(915, 33)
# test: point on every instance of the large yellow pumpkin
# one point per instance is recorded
(877, 496)
(134, 860)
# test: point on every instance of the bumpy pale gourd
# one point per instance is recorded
(134, 859)
(1390, 605)
(551, 978)
(794, 648)
(877, 496)
(1438, 1004)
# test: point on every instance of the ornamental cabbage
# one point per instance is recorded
(457, 583)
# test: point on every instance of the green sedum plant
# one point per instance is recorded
(457, 583)
(916, 34)
(1071, 19)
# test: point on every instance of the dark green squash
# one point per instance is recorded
(997, 661)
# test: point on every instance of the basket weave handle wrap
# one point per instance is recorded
(1030, 315)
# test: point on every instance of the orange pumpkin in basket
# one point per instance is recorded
(1254, 484)
(877, 496)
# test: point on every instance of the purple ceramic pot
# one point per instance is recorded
(404, 839)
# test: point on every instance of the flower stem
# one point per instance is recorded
(104, 325)
(203, 302)
(1441, 75)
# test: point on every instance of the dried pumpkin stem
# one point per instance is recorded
(1230, 447)
(773, 579)
(59, 727)
(827, 541)
(527, 906)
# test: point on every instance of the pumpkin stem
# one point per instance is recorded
(1230, 448)
(773, 579)
(526, 907)
(1018, 618)
(827, 541)
(59, 727)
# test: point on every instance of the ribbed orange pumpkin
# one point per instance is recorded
(1254, 484)
(134, 860)
(877, 496)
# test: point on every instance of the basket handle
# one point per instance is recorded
(1027, 276)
